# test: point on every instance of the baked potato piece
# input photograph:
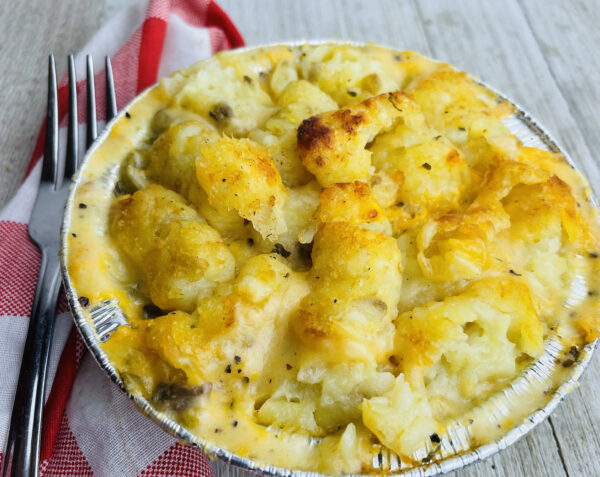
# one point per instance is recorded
(231, 329)
(171, 158)
(541, 210)
(144, 213)
(238, 174)
(167, 117)
(479, 333)
(180, 257)
(342, 388)
(187, 263)
(291, 406)
(347, 76)
(468, 114)
(352, 203)
(332, 145)
(428, 171)
(455, 246)
(356, 279)
(171, 162)
(222, 95)
(299, 213)
(401, 419)
(349, 202)
(298, 101)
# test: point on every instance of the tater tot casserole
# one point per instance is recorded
(327, 253)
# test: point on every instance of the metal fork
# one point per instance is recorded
(23, 448)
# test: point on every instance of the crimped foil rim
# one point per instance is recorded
(448, 464)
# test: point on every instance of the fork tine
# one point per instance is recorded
(50, 164)
(72, 136)
(111, 102)
(92, 128)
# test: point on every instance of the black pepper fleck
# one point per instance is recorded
(237, 359)
(567, 363)
(352, 93)
(288, 366)
(84, 301)
(127, 115)
(593, 255)
(228, 369)
(82, 205)
(574, 351)
(235, 423)
(74, 235)
(280, 249)
(461, 129)
(511, 271)
(246, 379)
(247, 79)
(426, 166)
(435, 438)
(221, 112)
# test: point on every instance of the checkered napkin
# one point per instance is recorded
(90, 428)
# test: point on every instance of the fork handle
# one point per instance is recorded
(23, 449)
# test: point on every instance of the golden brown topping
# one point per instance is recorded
(179, 257)
(332, 145)
(352, 203)
(239, 174)
(356, 279)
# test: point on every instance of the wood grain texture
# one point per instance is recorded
(541, 53)
(573, 60)
(29, 32)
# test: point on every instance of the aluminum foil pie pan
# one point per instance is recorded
(455, 449)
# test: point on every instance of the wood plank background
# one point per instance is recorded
(544, 54)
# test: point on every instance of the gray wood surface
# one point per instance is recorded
(29, 31)
(542, 53)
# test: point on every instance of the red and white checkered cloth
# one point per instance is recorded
(90, 428)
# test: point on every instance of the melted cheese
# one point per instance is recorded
(311, 244)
